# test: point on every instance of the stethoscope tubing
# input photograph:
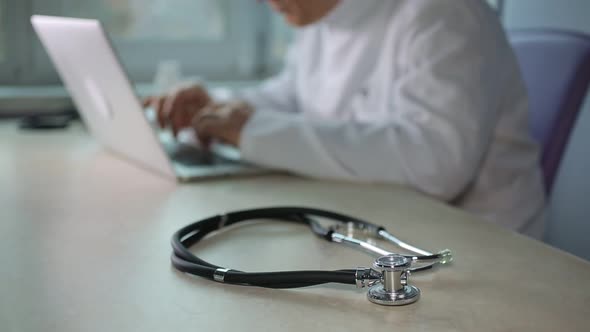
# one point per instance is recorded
(185, 261)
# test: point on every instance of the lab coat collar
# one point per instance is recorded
(349, 13)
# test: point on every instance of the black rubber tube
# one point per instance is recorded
(183, 260)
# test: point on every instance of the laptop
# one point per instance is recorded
(97, 82)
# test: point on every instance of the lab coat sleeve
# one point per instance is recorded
(276, 93)
(433, 139)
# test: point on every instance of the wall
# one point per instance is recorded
(569, 224)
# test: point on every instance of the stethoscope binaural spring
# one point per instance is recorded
(388, 279)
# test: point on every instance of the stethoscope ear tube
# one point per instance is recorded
(185, 261)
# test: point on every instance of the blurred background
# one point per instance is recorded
(229, 42)
(217, 40)
(214, 39)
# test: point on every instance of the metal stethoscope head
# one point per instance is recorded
(388, 279)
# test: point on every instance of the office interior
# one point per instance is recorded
(231, 43)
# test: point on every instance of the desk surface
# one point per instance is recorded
(84, 246)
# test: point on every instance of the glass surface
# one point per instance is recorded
(494, 3)
(155, 20)
(2, 29)
(282, 35)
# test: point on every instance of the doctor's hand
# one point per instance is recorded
(222, 122)
(177, 109)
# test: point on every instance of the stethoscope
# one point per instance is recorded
(387, 280)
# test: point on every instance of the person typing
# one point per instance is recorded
(422, 93)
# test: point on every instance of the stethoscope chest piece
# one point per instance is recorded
(394, 289)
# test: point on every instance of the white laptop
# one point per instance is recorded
(95, 78)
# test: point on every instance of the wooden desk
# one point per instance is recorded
(84, 246)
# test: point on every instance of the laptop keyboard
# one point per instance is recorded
(188, 155)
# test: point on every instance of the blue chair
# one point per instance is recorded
(556, 69)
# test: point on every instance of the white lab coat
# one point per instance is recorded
(423, 93)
